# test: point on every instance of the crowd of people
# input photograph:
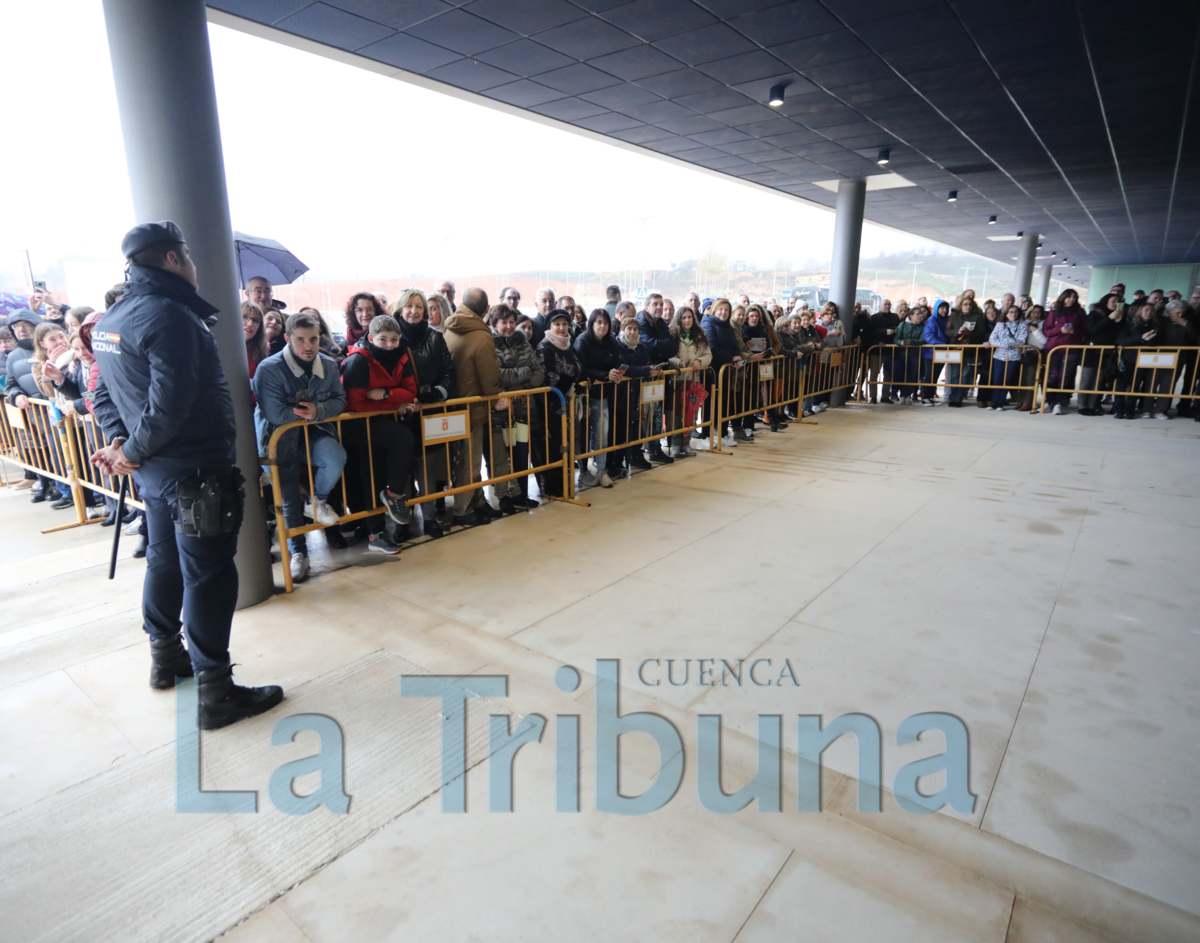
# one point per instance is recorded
(398, 359)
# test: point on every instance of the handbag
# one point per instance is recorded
(694, 395)
(1037, 338)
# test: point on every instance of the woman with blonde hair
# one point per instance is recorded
(255, 336)
(439, 311)
(430, 358)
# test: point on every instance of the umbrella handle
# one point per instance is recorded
(120, 524)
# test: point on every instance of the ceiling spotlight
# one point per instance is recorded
(991, 220)
(885, 154)
(952, 197)
(776, 98)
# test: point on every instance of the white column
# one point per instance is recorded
(1026, 255)
(1044, 287)
(843, 269)
(168, 105)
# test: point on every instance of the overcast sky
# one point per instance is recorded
(366, 176)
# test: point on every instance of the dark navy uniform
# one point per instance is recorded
(162, 389)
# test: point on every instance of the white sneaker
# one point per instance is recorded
(926, 402)
(704, 445)
(322, 513)
(97, 511)
(819, 407)
(131, 529)
(1161, 416)
(587, 479)
(605, 481)
(678, 452)
(1057, 409)
(728, 442)
(688, 451)
(299, 567)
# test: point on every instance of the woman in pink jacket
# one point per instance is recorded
(1065, 326)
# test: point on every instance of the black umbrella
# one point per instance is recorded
(265, 258)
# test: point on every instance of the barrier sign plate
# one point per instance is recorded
(835, 359)
(766, 371)
(947, 356)
(653, 392)
(1165, 361)
(446, 427)
(16, 417)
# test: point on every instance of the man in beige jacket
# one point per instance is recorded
(476, 373)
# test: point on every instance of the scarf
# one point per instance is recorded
(386, 358)
(631, 344)
(355, 334)
(413, 334)
(562, 343)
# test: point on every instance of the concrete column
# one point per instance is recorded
(1026, 255)
(843, 269)
(1044, 285)
(168, 105)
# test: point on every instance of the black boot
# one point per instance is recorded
(168, 660)
(139, 549)
(223, 703)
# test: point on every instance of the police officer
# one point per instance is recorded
(164, 404)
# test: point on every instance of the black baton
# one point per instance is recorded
(112, 565)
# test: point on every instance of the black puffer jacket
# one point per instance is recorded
(430, 357)
(520, 369)
(597, 356)
(1102, 331)
(655, 336)
(18, 366)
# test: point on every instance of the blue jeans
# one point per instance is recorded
(328, 459)
(1004, 374)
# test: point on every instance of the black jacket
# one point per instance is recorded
(562, 367)
(431, 361)
(19, 369)
(161, 383)
(655, 336)
(877, 328)
(597, 357)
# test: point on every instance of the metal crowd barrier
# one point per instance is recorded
(634, 412)
(749, 387)
(1137, 374)
(41, 439)
(831, 370)
(906, 371)
(90, 438)
(440, 432)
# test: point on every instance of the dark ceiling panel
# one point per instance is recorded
(408, 52)
(577, 79)
(462, 32)
(525, 57)
(333, 26)
(637, 62)
(706, 44)
(652, 20)
(691, 78)
(587, 38)
(525, 16)
(398, 14)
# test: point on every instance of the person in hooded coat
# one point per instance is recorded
(1065, 326)
(935, 334)
(1105, 320)
(632, 419)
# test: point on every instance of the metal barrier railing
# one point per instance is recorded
(41, 439)
(440, 432)
(906, 371)
(634, 412)
(1130, 374)
(89, 438)
(831, 370)
(749, 387)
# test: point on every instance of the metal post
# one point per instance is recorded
(1026, 254)
(843, 269)
(1044, 287)
(168, 105)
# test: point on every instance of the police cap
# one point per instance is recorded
(150, 234)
